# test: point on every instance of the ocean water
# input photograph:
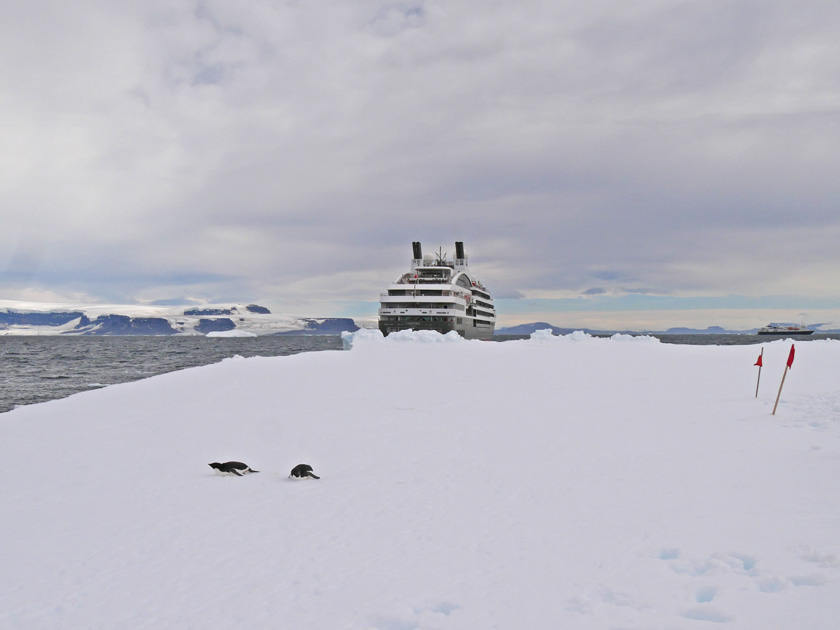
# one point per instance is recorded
(38, 369)
(42, 368)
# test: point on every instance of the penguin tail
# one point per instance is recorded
(253, 471)
(313, 475)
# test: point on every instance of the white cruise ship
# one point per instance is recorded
(438, 294)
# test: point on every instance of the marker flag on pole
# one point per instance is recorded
(790, 357)
(759, 363)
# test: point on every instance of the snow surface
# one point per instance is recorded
(556, 482)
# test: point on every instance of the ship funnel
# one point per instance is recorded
(418, 252)
(459, 250)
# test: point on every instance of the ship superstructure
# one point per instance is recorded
(438, 294)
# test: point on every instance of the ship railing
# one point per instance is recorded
(425, 296)
(418, 313)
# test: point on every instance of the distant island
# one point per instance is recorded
(213, 320)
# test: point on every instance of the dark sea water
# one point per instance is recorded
(38, 369)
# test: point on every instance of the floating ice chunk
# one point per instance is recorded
(542, 334)
(230, 333)
(363, 336)
(546, 335)
(367, 337)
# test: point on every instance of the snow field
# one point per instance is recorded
(559, 482)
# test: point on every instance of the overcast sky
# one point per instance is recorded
(634, 164)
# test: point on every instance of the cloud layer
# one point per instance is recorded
(289, 152)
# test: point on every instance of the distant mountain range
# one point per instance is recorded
(527, 329)
(216, 320)
(21, 318)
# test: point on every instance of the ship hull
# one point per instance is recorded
(468, 330)
(785, 333)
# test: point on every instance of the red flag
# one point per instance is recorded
(790, 357)
(759, 363)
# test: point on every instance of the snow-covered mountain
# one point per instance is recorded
(20, 318)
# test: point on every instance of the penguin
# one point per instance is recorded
(302, 471)
(232, 468)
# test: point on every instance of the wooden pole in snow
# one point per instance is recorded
(787, 367)
(759, 363)
(780, 390)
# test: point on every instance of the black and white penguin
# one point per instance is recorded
(232, 468)
(302, 471)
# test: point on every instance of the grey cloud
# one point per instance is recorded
(286, 149)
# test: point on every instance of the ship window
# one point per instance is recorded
(464, 281)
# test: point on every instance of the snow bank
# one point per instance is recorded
(571, 482)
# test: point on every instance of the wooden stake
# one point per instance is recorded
(787, 367)
(760, 363)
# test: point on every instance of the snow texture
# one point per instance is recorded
(556, 482)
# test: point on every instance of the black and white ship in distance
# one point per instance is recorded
(785, 329)
(438, 294)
